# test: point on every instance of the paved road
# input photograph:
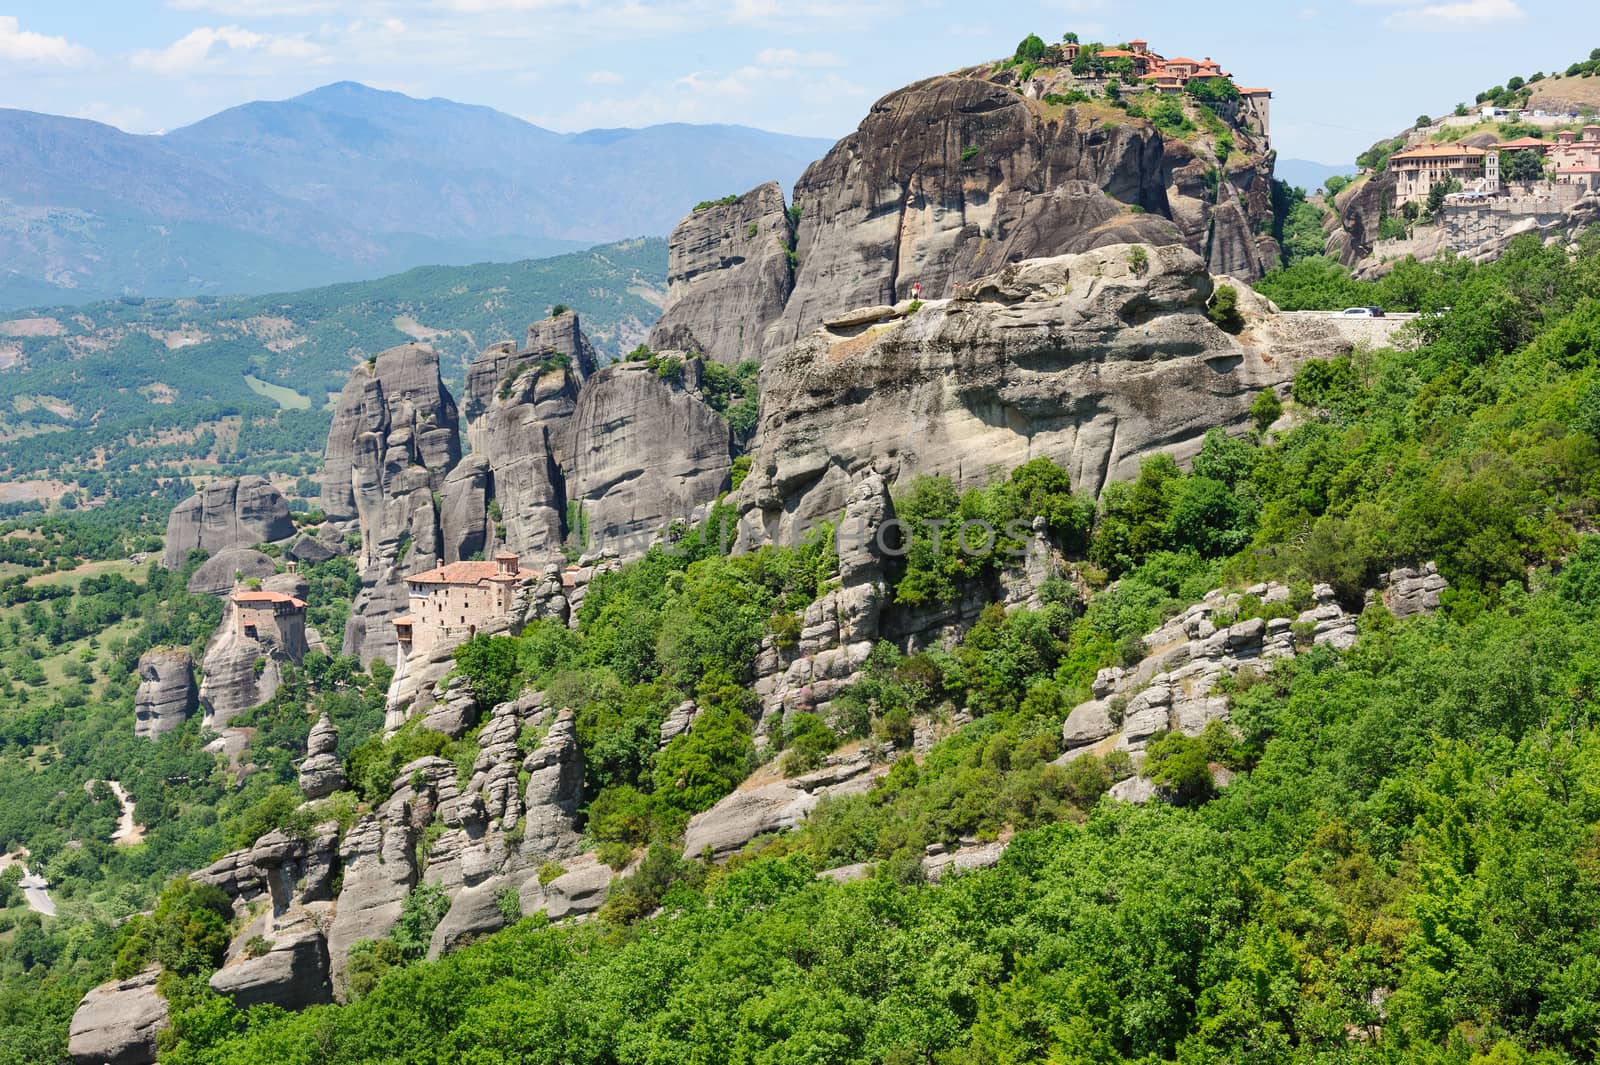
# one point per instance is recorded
(1373, 332)
(35, 889)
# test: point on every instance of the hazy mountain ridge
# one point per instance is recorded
(343, 183)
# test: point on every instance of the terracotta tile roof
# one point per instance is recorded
(461, 573)
(253, 597)
(1523, 142)
(1181, 59)
(1439, 151)
(403, 619)
(1255, 92)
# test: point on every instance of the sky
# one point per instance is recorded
(1344, 72)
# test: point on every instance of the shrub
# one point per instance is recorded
(1224, 309)
(969, 153)
(1265, 409)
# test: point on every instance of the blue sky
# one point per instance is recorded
(1344, 71)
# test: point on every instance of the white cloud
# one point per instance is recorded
(26, 46)
(199, 47)
(604, 77)
(1461, 15)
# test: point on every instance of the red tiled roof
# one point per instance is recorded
(1254, 92)
(1439, 151)
(461, 573)
(1523, 142)
(268, 597)
(403, 619)
(1181, 59)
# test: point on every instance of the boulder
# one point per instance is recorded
(393, 442)
(578, 891)
(166, 696)
(241, 511)
(219, 574)
(728, 277)
(292, 974)
(310, 549)
(117, 1023)
(644, 452)
(474, 911)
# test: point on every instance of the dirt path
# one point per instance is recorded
(128, 831)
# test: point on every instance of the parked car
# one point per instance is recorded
(1361, 312)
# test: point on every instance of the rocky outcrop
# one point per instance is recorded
(728, 277)
(1094, 360)
(518, 403)
(166, 696)
(218, 574)
(1176, 685)
(320, 773)
(292, 973)
(378, 856)
(117, 1023)
(644, 451)
(1407, 592)
(1358, 211)
(554, 793)
(776, 806)
(241, 511)
(393, 442)
(241, 671)
(958, 175)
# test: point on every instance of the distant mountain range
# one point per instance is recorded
(343, 183)
(1305, 174)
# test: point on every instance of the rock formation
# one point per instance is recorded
(320, 773)
(117, 1023)
(1094, 360)
(218, 574)
(243, 671)
(393, 442)
(517, 404)
(1175, 686)
(776, 807)
(378, 856)
(166, 696)
(291, 974)
(239, 512)
(728, 277)
(644, 451)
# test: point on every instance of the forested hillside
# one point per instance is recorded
(108, 399)
(1396, 865)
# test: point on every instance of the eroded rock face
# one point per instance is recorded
(777, 807)
(957, 175)
(218, 574)
(644, 451)
(166, 696)
(393, 442)
(292, 974)
(728, 277)
(320, 773)
(239, 512)
(117, 1023)
(1094, 360)
(518, 404)
(379, 859)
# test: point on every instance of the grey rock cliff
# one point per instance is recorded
(393, 442)
(117, 1023)
(517, 405)
(378, 855)
(239, 512)
(218, 574)
(166, 696)
(644, 451)
(728, 277)
(1094, 360)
